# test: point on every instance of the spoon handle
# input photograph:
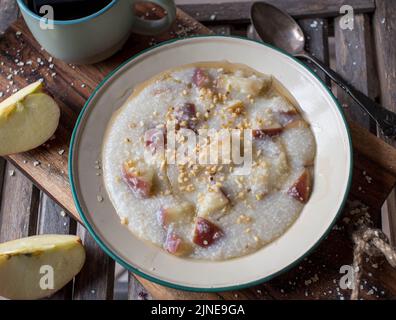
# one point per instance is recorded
(385, 119)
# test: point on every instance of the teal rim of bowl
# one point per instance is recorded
(178, 286)
(24, 7)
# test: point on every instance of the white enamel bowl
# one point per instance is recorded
(333, 167)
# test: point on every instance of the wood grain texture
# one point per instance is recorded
(136, 291)
(384, 24)
(19, 206)
(240, 12)
(8, 14)
(163, 293)
(53, 220)
(2, 170)
(355, 63)
(316, 33)
(96, 279)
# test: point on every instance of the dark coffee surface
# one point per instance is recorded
(68, 9)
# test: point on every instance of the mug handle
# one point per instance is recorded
(154, 27)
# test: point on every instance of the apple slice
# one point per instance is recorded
(154, 151)
(37, 267)
(155, 140)
(206, 233)
(185, 115)
(176, 245)
(27, 123)
(211, 202)
(250, 86)
(260, 183)
(179, 212)
(270, 131)
(286, 117)
(139, 178)
(298, 123)
(201, 78)
(9, 104)
(301, 189)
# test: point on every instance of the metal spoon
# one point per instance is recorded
(279, 29)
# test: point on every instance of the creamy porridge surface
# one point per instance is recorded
(208, 211)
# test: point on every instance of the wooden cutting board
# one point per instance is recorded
(23, 62)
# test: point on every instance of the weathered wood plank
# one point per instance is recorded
(316, 33)
(96, 279)
(373, 148)
(355, 63)
(136, 291)
(2, 171)
(53, 220)
(8, 13)
(221, 29)
(159, 292)
(384, 24)
(240, 12)
(19, 206)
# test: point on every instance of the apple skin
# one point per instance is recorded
(206, 233)
(140, 185)
(301, 189)
(286, 117)
(28, 123)
(155, 140)
(212, 202)
(268, 132)
(185, 116)
(201, 78)
(179, 212)
(176, 245)
(9, 104)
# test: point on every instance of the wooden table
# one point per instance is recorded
(25, 210)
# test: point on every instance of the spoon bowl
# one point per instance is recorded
(277, 28)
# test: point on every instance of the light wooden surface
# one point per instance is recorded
(384, 25)
(356, 66)
(23, 213)
(317, 41)
(225, 11)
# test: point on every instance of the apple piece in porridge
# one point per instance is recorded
(301, 189)
(179, 212)
(139, 178)
(175, 245)
(211, 201)
(206, 232)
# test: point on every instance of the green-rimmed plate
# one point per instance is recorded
(333, 166)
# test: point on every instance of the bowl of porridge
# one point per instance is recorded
(210, 153)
